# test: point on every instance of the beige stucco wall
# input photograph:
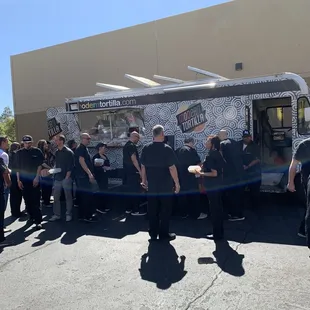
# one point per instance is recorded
(267, 36)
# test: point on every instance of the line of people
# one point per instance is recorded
(160, 172)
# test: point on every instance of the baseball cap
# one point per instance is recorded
(27, 138)
(99, 145)
(246, 133)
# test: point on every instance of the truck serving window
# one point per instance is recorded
(303, 116)
(107, 126)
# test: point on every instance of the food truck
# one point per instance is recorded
(274, 108)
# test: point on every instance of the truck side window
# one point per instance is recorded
(303, 116)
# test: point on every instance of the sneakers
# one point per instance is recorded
(215, 238)
(101, 211)
(169, 237)
(5, 242)
(6, 230)
(235, 218)
(128, 211)
(92, 219)
(54, 218)
(137, 213)
(38, 227)
(202, 216)
(302, 235)
(68, 218)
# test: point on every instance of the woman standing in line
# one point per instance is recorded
(46, 182)
(212, 173)
(101, 167)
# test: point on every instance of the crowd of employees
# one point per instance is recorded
(160, 175)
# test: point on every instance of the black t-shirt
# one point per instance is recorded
(157, 157)
(187, 156)
(233, 157)
(213, 161)
(100, 173)
(28, 161)
(250, 153)
(303, 156)
(129, 149)
(82, 151)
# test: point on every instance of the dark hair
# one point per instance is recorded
(99, 145)
(62, 138)
(215, 142)
(14, 147)
(41, 145)
(71, 143)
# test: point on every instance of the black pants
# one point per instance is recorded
(32, 200)
(46, 188)
(16, 197)
(305, 224)
(233, 197)
(159, 213)
(2, 210)
(102, 196)
(188, 199)
(216, 212)
(87, 205)
(133, 192)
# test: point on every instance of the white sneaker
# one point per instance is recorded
(202, 216)
(68, 218)
(54, 218)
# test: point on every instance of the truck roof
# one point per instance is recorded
(215, 87)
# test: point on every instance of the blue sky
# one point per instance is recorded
(27, 25)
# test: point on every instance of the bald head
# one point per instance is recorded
(85, 138)
(223, 135)
(134, 137)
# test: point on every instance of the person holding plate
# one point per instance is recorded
(101, 165)
(212, 173)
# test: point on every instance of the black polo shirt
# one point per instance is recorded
(64, 159)
(250, 153)
(157, 157)
(128, 150)
(302, 155)
(82, 151)
(28, 161)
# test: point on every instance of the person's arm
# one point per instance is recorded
(172, 161)
(135, 162)
(256, 153)
(211, 174)
(296, 160)
(70, 164)
(7, 178)
(143, 170)
(212, 165)
(84, 167)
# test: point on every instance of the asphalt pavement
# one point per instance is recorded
(111, 265)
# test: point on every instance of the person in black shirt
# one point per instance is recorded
(102, 167)
(16, 195)
(85, 180)
(28, 169)
(302, 156)
(64, 159)
(233, 192)
(159, 177)
(212, 172)
(188, 197)
(132, 174)
(252, 168)
(5, 181)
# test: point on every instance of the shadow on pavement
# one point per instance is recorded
(162, 265)
(227, 259)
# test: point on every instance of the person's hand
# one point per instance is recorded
(144, 185)
(35, 182)
(291, 187)
(91, 179)
(198, 172)
(20, 185)
(177, 188)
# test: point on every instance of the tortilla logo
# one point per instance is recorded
(191, 118)
(53, 128)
